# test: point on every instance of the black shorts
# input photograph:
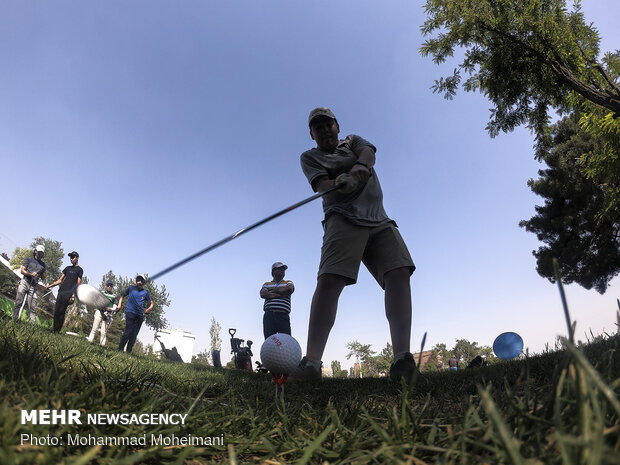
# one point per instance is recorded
(276, 322)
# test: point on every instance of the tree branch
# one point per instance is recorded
(603, 99)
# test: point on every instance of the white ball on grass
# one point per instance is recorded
(280, 353)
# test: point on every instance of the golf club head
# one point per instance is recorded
(91, 296)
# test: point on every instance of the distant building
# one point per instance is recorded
(182, 340)
(424, 358)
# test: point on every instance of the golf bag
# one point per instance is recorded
(242, 356)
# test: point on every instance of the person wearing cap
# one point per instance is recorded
(356, 229)
(69, 280)
(103, 316)
(32, 269)
(137, 298)
(277, 306)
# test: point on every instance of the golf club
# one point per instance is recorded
(242, 231)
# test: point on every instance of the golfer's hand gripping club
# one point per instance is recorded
(348, 183)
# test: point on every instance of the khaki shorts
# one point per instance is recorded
(346, 245)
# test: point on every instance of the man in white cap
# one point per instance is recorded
(277, 306)
(32, 269)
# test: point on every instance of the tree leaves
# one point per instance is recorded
(525, 56)
(572, 222)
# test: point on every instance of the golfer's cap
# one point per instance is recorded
(109, 282)
(321, 111)
(141, 276)
(40, 248)
(278, 265)
(73, 254)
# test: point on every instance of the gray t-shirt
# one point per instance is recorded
(364, 206)
(33, 265)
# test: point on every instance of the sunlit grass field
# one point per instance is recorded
(559, 407)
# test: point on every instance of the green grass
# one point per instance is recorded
(6, 308)
(554, 408)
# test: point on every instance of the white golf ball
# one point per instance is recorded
(280, 353)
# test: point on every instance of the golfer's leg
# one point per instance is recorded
(129, 331)
(398, 308)
(19, 299)
(59, 311)
(126, 332)
(134, 333)
(323, 313)
(104, 331)
(96, 323)
(31, 304)
(284, 323)
(268, 325)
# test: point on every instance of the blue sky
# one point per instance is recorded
(140, 132)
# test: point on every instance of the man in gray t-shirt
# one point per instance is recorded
(356, 230)
(32, 269)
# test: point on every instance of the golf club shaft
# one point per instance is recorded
(242, 231)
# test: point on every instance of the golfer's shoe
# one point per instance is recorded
(305, 371)
(403, 368)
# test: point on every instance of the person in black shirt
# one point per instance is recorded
(69, 280)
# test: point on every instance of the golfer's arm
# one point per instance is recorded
(285, 290)
(366, 155)
(58, 281)
(120, 302)
(150, 307)
(322, 183)
(24, 271)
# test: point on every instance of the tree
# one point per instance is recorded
(380, 365)
(214, 332)
(8, 282)
(526, 56)
(585, 242)
(202, 358)
(142, 350)
(363, 353)
(337, 371)
(53, 256)
(465, 351)
(529, 57)
(438, 359)
(601, 165)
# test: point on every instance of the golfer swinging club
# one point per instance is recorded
(356, 229)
